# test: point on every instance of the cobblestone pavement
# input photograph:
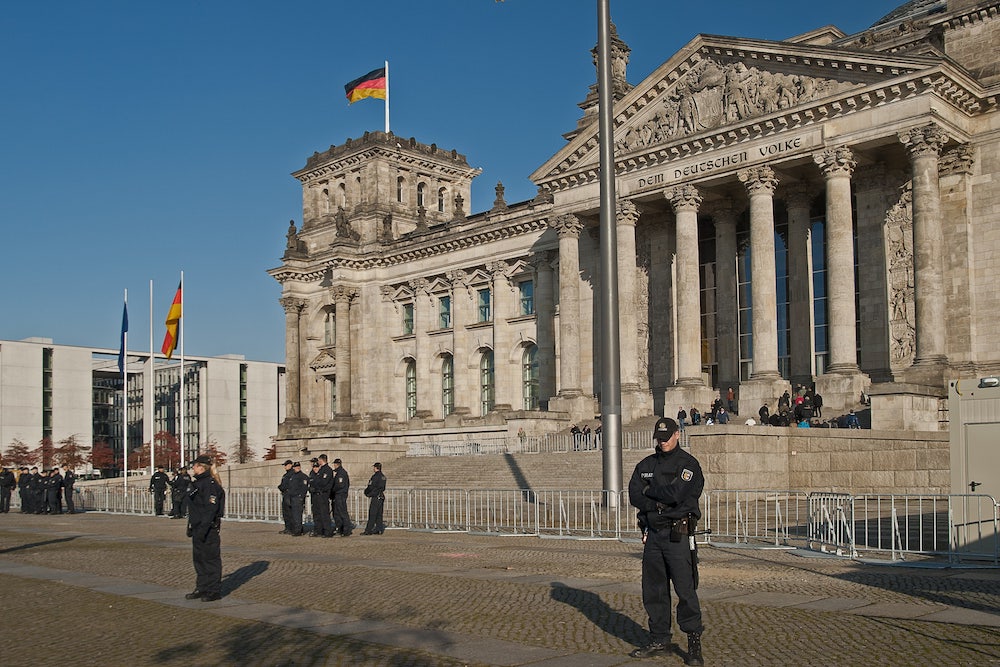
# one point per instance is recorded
(109, 589)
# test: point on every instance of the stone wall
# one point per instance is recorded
(854, 461)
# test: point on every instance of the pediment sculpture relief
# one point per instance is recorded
(713, 94)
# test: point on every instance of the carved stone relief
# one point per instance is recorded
(899, 260)
(712, 94)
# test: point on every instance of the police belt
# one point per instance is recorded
(679, 526)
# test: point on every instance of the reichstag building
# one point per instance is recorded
(820, 211)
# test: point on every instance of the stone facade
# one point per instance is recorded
(820, 210)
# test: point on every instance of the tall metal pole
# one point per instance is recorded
(611, 386)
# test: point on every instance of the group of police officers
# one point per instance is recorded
(328, 488)
(41, 492)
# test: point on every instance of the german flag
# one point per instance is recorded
(372, 84)
(173, 323)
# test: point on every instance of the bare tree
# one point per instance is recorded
(19, 455)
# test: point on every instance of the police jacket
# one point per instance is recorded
(159, 481)
(55, 483)
(6, 480)
(341, 482)
(180, 485)
(24, 481)
(666, 486)
(207, 507)
(283, 484)
(298, 484)
(376, 486)
(323, 481)
(69, 480)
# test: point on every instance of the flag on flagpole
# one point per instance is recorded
(373, 84)
(121, 349)
(173, 322)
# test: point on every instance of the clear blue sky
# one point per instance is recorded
(139, 139)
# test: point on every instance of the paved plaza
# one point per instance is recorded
(102, 589)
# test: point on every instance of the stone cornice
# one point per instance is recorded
(420, 248)
(326, 170)
(944, 81)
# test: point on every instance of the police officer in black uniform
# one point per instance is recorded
(376, 492)
(24, 489)
(298, 484)
(158, 487)
(342, 524)
(286, 500)
(665, 488)
(206, 509)
(179, 487)
(322, 485)
(53, 490)
(313, 495)
(69, 479)
(6, 488)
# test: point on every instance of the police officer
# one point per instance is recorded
(69, 479)
(24, 489)
(376, 492)
(7, 483)
(665, 488)
(323, 485)
(179, 487)
(41, 491)
(53, 490)
(286, 500)
(313, 496)
(158, 487)
(298, 484)
(207, 507)
(341, 486)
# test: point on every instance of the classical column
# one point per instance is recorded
(685, 201)
(293, 396)
(568, 228)
(424, 313)
(342, 298)
(760, 183)
(837, 165)
(507, 392)
(800, 315)
(626, 217)
(727, 308)
(544, 326)
(924, 145)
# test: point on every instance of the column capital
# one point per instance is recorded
(292, 305)
(724, 212)
(758, 180)
(542, 261)
(924, 141)
(626, 213)
(566, 226)
(684, 198)
(420, 286)
(343, 293)
(798, 195)
(837, 161)
(498, 269)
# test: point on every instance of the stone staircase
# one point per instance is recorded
(565, 470)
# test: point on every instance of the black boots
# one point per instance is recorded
(649, 650)
(694, 650)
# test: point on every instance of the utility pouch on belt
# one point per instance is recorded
(678, 529)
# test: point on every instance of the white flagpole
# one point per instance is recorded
(387, 97)
(125, 398)
(147, 404)
(181, 334)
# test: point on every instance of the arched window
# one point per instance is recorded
(529, 377)
(411, 389)
(447, 385)
(342, 195)
(441, 195)
(330, 328)
(421, 187)
(399, 189)
(326, 201)
(487, 383)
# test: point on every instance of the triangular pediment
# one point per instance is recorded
(720, 90)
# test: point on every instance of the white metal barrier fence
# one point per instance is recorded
(961, 527)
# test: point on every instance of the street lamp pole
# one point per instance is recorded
(611, 390)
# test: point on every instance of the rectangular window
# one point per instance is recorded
(332, 382)
(483, 305)
(444, 312)
(526, 292)
(407, 319)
